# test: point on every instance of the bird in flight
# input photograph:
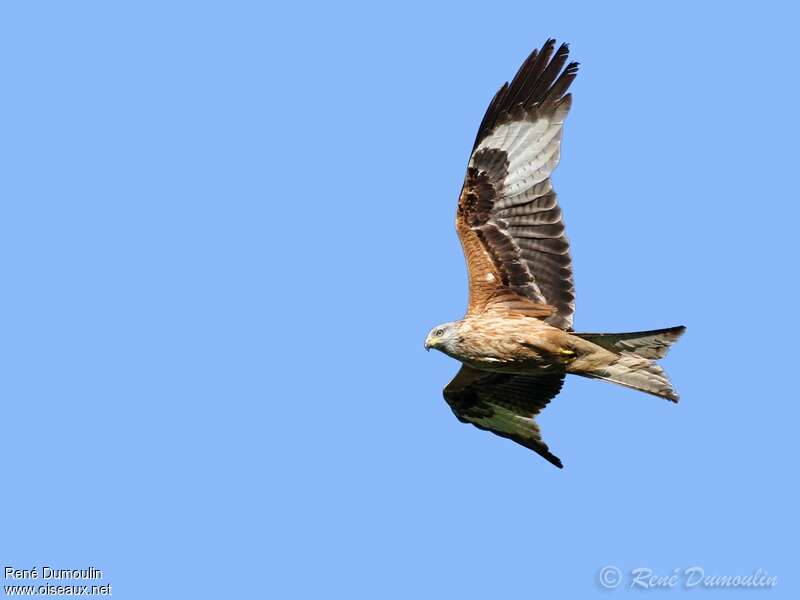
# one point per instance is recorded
(516, 342)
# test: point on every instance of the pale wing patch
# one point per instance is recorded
(532, 148)
(511, 136)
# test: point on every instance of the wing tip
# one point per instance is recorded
(549, 456)
(557, 462)
(541, 79)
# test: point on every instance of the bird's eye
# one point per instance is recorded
(439, 332)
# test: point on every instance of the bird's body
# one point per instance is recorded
(510, 344)
(520, 345)
(516, 342)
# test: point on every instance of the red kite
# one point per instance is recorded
(516, 342)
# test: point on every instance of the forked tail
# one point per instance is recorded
(635, 366)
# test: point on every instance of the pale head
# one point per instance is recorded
(442, 337)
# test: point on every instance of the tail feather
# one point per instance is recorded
(647, 344)
(638, 373)
(635, 365)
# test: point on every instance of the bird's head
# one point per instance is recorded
(442, 336)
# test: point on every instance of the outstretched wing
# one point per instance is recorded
(504, 404)
(508, 219)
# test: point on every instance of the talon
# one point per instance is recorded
(567, 355)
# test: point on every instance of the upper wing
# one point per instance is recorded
(508, 219)
(504, 404)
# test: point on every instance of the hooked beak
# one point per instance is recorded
(428, 344)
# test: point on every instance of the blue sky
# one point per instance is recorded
(227, 227)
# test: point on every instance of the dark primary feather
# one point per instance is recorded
(504, 404)
(652, 344)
